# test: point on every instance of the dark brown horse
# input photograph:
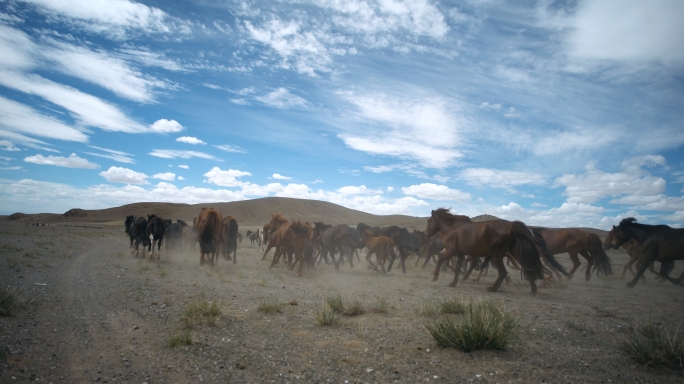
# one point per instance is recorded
(229, 237)
(209, 234)
(276, 227)
(659, 242)
(403, 241)
(334, 239)
(634, 251)
(140, 235)
(130, 220)
(575, 241)
(494, 238)
(155, 228)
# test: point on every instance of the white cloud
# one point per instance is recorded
(628, 31)
(181, 178)
(22, 119)
(190, 140)
(166, 126)
(73, 161)
(230, 148)
(227, 178)
(554, 142)
(183, 166)
(422, 128)
(119, 156)
(360, 190)
(124, 175)
(167, 176)
(595, 184)
(112, 17)
(282, 98)
(278, 176)
(8, 146)
(173, 154)
(435, 192)
(86, 109)
(390, 189)
(499, 178)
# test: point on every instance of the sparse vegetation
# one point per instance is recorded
(354, 309)
(12, 299)
(201, 312)
(12, 261)
(652, 344)
(428, 309)
(335, 303)
(271, 306)
(453, 306)
(180, 338)
(361, 330)
(575, 326)
(485, 326)
(326, 315)
(381, 305)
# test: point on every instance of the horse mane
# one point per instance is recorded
(278, 217)
(631, 221)
(444, 214)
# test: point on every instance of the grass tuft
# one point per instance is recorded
(271, 306)
(484, 326)
(453, 306)
(12, 299)
(326, 315)
(201, 312)
(335, 303)
(12, 261)
(428, 309)
(575, 326)
(354, 309)
(180, 338)
(652, 344)
(381, 305)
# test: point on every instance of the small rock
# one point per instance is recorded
(136, 327)
(239, 366)
(369, 370)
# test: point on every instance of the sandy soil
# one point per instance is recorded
(101, 315)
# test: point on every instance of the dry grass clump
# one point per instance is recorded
(428, 309)
(453, 306)
(180, 338)
(201, 312)
(271, 306)
(485, 326)
(326, 315)
(12, 299)
(12, 262)
(335, 303)
(354, 309)
(380, 306)
(652, 344)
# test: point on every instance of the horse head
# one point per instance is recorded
(622, 233)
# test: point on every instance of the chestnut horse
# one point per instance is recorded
(574, 241)
(380, 245)
(277, 223)
(494, 238)
(209, 234)
(659, 242)
(229, 237)
(290, 237)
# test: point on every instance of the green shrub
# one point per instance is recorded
(335, 303)
(201, 313)
(326, 315)
(271, 306)
(180, 338)
(652, 344)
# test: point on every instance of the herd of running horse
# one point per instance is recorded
(452, 241)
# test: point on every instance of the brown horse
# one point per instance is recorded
(659, 242)
(277, 222)
(574, 241)
(378, 245)
(494, 238)
(229, 237)
(634, 251)
(288, 238)
(209, 234)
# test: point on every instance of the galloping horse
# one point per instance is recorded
(380, 245)
(574, 241)
(659, 242)
(209, 234)
(402, 240)
(155, 228)
(130, 220)
(229, 234)
(634, 251)
(332, 239)
(494, 238)
(140, 234)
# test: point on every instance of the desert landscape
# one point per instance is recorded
(91, 312)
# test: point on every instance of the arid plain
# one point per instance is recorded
(97, 314)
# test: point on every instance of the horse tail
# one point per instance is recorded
(548, 256)
(595, 248)
(525, 250)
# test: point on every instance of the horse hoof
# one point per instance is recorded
(452, 284)
(490, 289)
(588, 277)
(630, 285)
(568, 278)
(435, 277)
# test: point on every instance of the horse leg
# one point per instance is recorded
(445, 256)
(276, 257)
(159, 249)
(402, 260)
(631, 261)
(484, 263)
(647, 256)
(665, 268)
(473, 263)
(393, 256)
(575, 264)
(459, 262)
(590, 263)
(501, 268)
(268, 248)
(235, 255)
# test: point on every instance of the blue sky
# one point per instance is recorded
(557, 113)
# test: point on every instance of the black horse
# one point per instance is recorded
(659, 242)
(130, 220)
(140, 234)
(156, 229)
(333, 239)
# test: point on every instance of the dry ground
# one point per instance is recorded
(101, 315)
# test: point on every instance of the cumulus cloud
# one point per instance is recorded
(183, 166)
(225, 178)
(124, 175)
(167, 176)
(359, 190)
(278, 176)
(73, 161)
(166, 126)
(282, 98)
(190, 140)
(499, 178)
(435, 192)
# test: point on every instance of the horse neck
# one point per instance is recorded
(639, 233)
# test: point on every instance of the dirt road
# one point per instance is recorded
(101, 315)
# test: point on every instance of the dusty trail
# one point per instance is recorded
(104, 316)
